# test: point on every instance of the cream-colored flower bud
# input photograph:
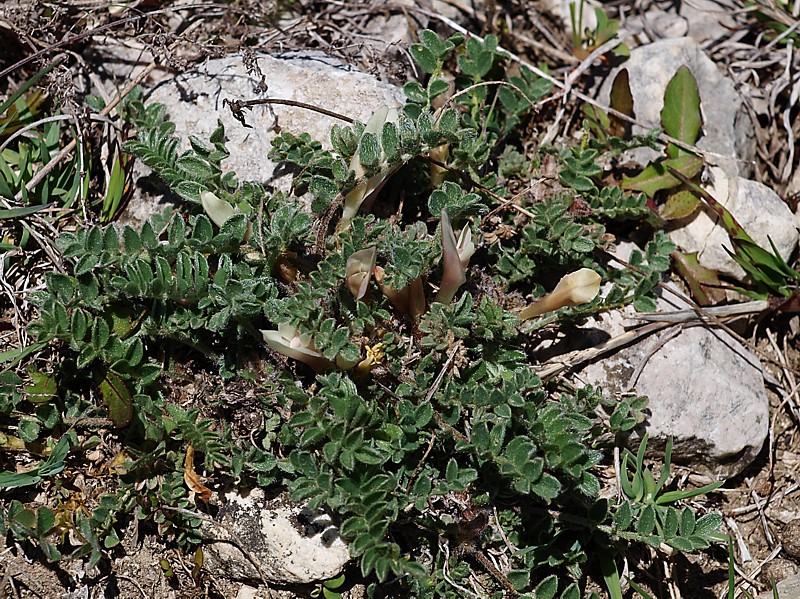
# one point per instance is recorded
(453, 269)
(579, 287)
(364, 189)
(219, 211)
(465, 246)
(359, 270)
(439, 154)
(409, 300)
(288, 341)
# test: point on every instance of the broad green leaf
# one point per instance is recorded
(623, 517)
(42, 389)
(687, 522)
(117, 398)
(437, 87)
(571, 592)
(390, 140)
(45, 520)
(679, 205)
(423, 56)
(647, 521)
(196, 167)
(657, 176)
(28, 430)
(433, 42)
(681, 544)
(369, 150)
(323, 188)
(547, 487)
(681, 116)
(547, 588)
(414, 92)
(311, 436)
(671, 522)
(451, 473)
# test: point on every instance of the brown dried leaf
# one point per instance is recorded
(191, 478)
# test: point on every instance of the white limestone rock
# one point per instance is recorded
(194, 102)
(758, 209)
(705, 390)
(291, 545)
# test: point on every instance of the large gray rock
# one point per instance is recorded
(705, 389)
(657, 23)
(787, 589)
(290, 544)
(758, 209)
(194, 101)
(710, 20)
(727, 140)
(704, 21)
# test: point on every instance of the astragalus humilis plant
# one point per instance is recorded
(399, 385)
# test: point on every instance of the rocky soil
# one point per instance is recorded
(728, 396)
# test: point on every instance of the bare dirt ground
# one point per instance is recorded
(759, 505)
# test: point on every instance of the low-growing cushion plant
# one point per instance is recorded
(390, 354)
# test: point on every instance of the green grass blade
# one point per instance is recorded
(27, 85)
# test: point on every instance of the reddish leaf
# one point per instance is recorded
(705, 286)
(621, 101)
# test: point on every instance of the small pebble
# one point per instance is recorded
(790, 539)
